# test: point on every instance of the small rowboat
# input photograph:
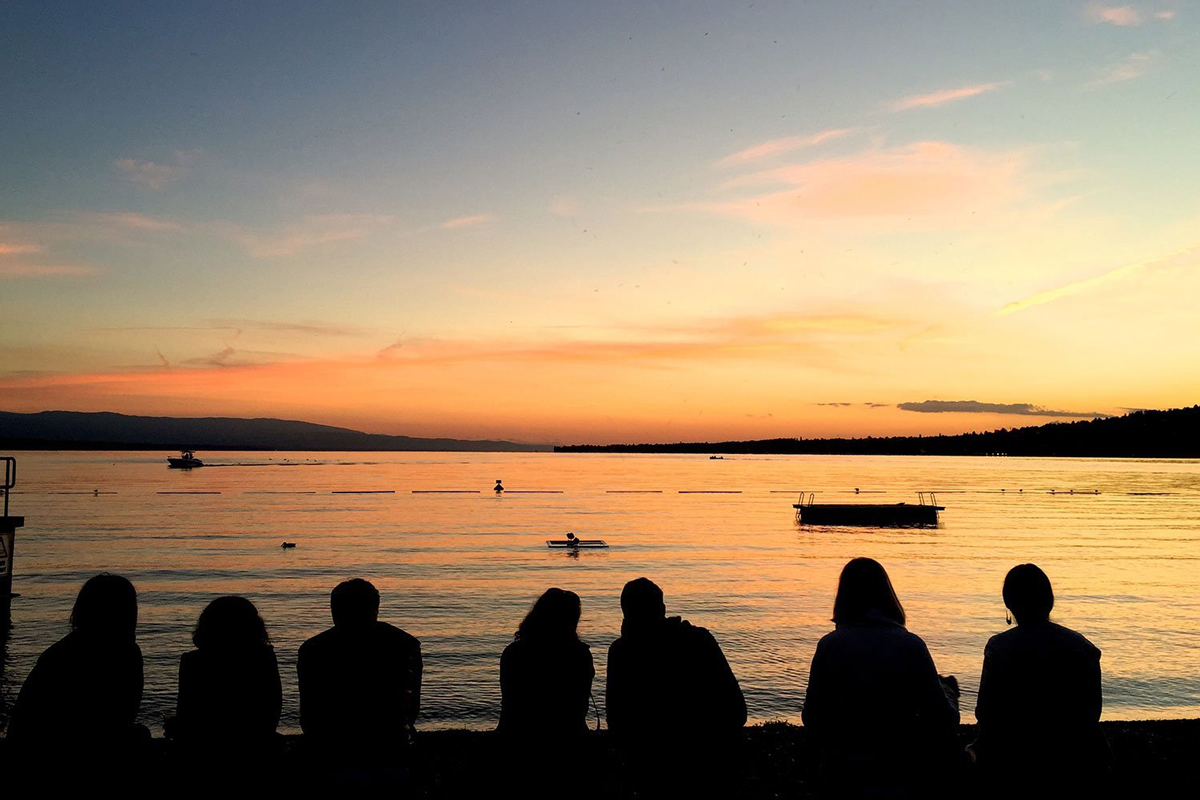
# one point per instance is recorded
(575, 544)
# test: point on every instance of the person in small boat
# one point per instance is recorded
(572, 541)
(875, 706)
(1039, 699)
(230, 694)
(546, 672)
(673, 702)
(80, 702)
(498, 488)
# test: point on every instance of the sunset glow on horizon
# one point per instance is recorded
(618, 223)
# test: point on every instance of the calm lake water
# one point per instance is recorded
(459, 570)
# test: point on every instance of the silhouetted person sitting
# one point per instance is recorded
(546, 673)
(875, 707)
(230, 694)
(671, 697)
(360, 684)
(1039, 699)
(79, 704)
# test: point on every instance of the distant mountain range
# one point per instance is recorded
(1140, 434)
(73, 430)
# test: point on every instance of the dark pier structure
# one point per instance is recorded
(8, 535)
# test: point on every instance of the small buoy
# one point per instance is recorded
(288, 544)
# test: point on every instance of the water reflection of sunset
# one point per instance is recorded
(459, 571)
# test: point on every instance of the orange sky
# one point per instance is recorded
(625, 230)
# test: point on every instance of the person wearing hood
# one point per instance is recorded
(671, 697)
(880, 716)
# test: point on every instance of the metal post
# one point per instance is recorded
(8, 535)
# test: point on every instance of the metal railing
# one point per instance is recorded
(10, 479)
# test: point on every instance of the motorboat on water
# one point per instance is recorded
(187, 460)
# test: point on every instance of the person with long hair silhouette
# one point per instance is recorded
(875, 706)
(1039, 699)
(80, 702)
(230, 694)
(546, 672)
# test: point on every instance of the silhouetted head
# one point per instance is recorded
(554, 617)
(106, 607)
(230, 623)
(354, 603)
(865, 590)
(1027, 593)
(642, 601)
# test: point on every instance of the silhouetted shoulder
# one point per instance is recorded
(899, 638)
(1038, 638)
(389, 632)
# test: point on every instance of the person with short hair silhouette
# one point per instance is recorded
(1039, 699)
(546, 672)
(875, 707)
(80, 703)
(360, 685)
(230, 694)
(671, 698)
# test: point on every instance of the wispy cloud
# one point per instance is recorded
(1123, 16)
(238, 325)
(944, 96)
(471, 221)
(931, 180)
(14, 265)
(564, 205)
(11, 249)
(1132, 67)
(154, 175)
(307, 328)
(976, 407)
(312, 231)
(787, 144)
(10, 269)
(1183, 257)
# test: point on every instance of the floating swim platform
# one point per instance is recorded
(871, 515)
(575, 544)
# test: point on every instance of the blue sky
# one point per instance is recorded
(646, 203)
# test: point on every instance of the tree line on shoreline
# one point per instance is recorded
(1173, 433)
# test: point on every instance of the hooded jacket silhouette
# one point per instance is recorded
(668, 676)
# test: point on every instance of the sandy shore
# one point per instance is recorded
(777, 761)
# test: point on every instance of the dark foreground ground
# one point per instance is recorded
(1152, 759)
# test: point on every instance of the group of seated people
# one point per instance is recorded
(883, 721)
